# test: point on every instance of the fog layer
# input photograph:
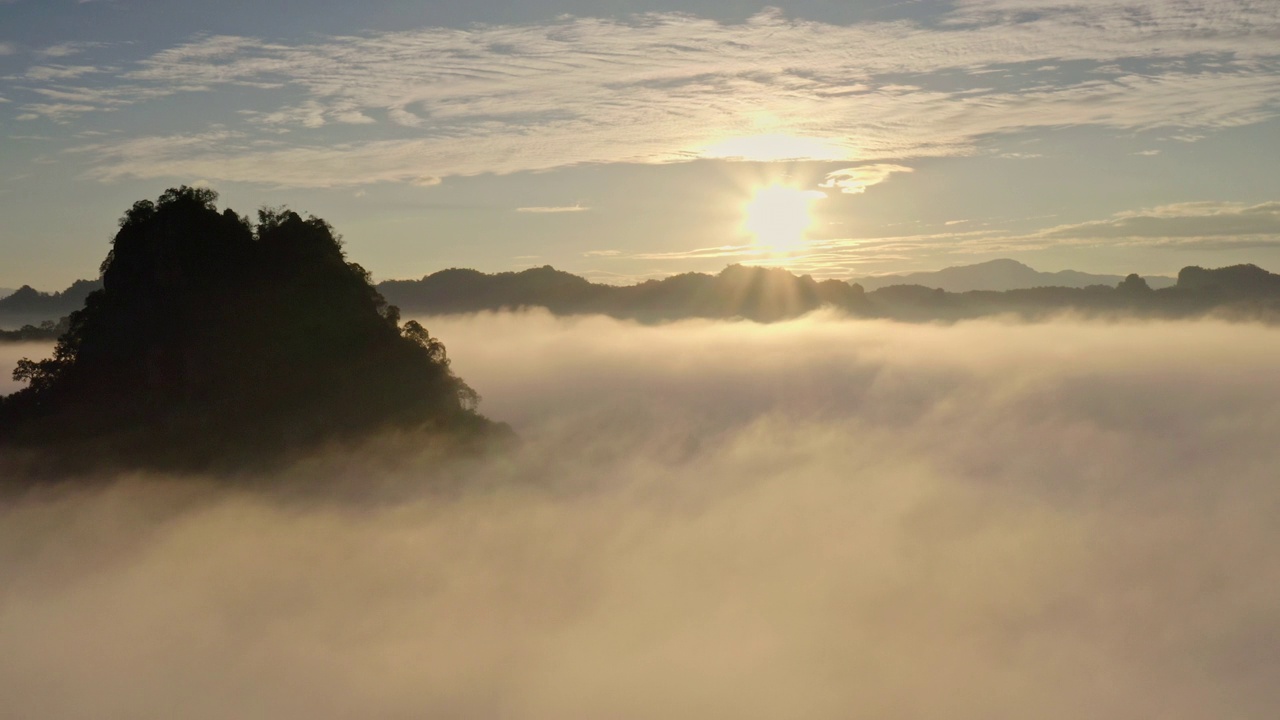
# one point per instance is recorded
(11, 353)
(817, 519)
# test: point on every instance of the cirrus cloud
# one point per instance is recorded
(1183, 222)
(667, 87)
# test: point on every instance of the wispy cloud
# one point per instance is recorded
(57, 112)
(855, 180)
(553, 209)
(1200, 221)
(42, 73)
(66, 49)
(668, 87)
(1208, 226)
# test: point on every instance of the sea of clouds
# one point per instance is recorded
(825, 518)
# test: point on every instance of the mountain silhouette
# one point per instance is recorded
(1001, 274)
(28, 306)
(771, 294)
(1237, 281)
(47, 331)
(1239, 292)
(214, 339)
(753, 293)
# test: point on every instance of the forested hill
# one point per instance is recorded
(770, 294)
(215, 340)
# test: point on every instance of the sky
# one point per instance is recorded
(627, 139)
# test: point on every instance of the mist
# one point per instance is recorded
(10, 354)
(823, 518)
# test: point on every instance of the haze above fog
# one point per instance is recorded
(822, 518)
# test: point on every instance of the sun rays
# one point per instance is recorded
(779, 216)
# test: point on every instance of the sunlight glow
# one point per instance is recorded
(774, 148)
(778, 216)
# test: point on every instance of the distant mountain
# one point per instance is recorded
(1239, 292)
(764, 294)
(1003, 274)
(28, 306)
(1237, 281)
(46, 332)
(770, 294)
(5, 292)
(459, 290)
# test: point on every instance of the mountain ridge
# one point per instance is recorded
(770, 294)
(999, 275)
(28, 306)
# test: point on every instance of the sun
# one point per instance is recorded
(779, 216)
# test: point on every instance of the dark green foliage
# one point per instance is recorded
(213, 336)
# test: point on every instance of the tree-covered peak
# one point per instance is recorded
(214, 334)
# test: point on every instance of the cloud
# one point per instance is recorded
(311, 114)
(60, 50)
(553, 209)
(7, 48)
(1199, 221)
(41, 73)
(855, 180)
(81, 95)
(665, 87)
(73, 101)
(1194, 225)
(823, 519)
(57, 112)
(841, 258)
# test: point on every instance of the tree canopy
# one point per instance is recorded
(213, 334)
